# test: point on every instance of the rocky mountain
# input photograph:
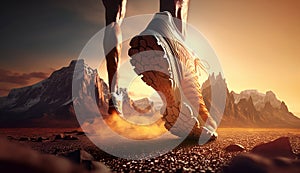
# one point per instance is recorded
(259, 99)
(50, 102)
(139, 107)
(249, 108)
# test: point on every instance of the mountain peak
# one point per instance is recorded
(270, 94)
(271, 97)
(213, 80)
(74, 62)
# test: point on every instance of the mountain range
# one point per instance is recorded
(50, 103)
(249, 108)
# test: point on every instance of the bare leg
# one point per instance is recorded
(112, 44)
(114, 14)
(178, 9)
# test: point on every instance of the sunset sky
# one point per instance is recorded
(257, 41)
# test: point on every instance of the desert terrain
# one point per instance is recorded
(188, 157)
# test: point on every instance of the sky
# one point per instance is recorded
(257, 41)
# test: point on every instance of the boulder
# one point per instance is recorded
(280, 147)
(250, 163)
(15, 158)
(86, 160)
(59, 136)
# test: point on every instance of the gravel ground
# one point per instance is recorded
(187, 157)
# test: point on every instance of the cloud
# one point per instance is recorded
(7, 76)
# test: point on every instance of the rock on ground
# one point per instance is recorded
(252, 163)
(17, 158)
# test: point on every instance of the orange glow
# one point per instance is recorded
(134, 131)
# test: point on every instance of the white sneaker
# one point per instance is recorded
(159, 54)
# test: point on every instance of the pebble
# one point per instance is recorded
(235, 148)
